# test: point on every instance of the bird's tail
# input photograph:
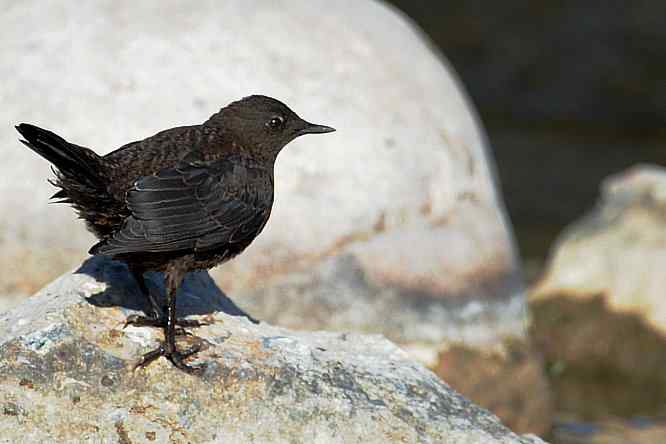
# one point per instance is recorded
(78, 169)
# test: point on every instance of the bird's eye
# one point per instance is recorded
(276, 123)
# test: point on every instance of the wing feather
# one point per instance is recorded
(187, 207)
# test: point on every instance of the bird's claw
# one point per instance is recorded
(176, 357)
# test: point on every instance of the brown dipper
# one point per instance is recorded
(187, 198)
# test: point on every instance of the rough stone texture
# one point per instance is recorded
(404, 185)
(66, 374)
(598, 310)
(339, 295)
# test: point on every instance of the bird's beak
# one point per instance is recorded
(311, 128)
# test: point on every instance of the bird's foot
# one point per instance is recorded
(176, 357)
(160, 322)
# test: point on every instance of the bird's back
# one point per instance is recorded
(149, 156)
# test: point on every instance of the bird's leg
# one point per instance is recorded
(173, 277)
(143, 321)
(156, 310)
(156, 318)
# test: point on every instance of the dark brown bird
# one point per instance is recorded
(187, 198)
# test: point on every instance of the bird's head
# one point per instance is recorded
(263, 124)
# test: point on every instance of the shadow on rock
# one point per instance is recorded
(198, 294)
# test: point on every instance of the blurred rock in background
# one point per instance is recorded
(599, 312)
(391, 225)
(569, 91)
(507, 380)
(611, 431)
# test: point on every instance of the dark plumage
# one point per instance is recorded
(184, 199)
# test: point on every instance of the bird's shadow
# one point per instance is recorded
(197, 295)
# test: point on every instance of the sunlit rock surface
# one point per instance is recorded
(66, 374)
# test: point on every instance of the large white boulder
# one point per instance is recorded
(405, 185)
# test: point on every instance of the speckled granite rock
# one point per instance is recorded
(66, 375)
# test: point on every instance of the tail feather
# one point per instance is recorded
(81, 176)
(74, 162)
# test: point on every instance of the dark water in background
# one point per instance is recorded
(569, 91)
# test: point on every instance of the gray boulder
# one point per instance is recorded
(66, 376)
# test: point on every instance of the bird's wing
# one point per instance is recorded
(193, 206)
